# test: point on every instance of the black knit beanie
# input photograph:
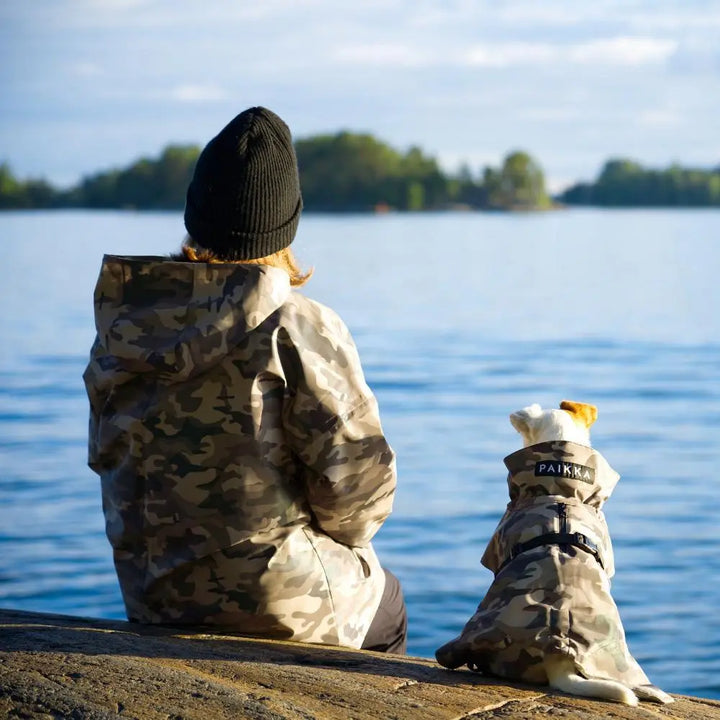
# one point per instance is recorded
(244, 200)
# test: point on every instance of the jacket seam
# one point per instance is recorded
(327, 580)
(334, 422)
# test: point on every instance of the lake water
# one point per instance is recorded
(460, 319)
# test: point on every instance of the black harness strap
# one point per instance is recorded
(576, 539)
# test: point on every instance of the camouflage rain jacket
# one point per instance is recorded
(244, 470)
(553, 598)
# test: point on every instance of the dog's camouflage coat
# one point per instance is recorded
(551, 598)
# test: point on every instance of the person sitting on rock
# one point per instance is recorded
(244, 468)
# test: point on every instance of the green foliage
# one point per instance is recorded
(519, 185)
(9, 188)
(356, 172)
(24, 195)
(625, 183)
(341, 172)
(348, 171)
(148, 184)
(415, 196)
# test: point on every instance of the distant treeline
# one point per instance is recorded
(338, 173)
(146, 184)
(624, 183)
(356, 172)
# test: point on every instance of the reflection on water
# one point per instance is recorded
(451, 346)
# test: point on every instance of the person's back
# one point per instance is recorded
(243, 465)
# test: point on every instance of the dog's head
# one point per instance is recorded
(571, 423)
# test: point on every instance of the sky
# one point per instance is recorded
(90, 85)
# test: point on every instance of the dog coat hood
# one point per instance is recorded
(552, 599)
(539, 477)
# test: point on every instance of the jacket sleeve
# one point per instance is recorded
(332, 423)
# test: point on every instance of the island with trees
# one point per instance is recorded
(356, 172)
(342, 172)
(625, 183)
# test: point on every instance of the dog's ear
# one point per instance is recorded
(582, 413)
(521, 418)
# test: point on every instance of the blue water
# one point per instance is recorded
(460, 319)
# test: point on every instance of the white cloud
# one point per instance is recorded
(617, 51)
(87, 69)
(679, 19)
(554, 114)
(659, 118)
(562, 14)
(381, 54)
(623, 51)
(198, 93)
(508, 54)
(606, 51)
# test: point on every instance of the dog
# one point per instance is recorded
(548, 617)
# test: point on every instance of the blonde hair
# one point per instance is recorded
(283, 259)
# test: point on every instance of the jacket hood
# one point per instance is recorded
(156, 316)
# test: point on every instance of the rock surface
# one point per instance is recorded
(54, 666)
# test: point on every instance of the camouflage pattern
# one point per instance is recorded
(244, 469)
(552, 599)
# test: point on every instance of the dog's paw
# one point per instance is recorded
(651, 692)
(452, 654)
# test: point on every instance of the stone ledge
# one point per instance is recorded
(54, 666)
